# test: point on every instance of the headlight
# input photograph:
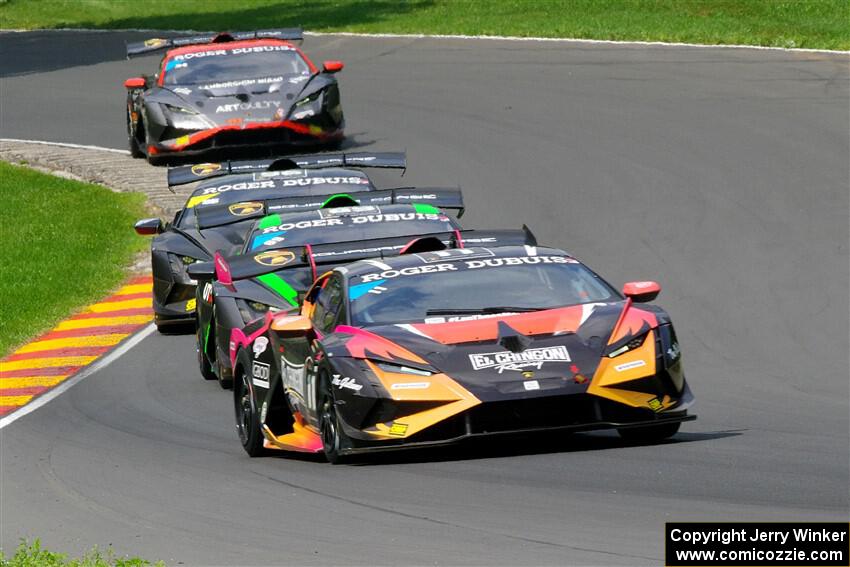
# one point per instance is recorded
(631, 345)
(251, 310)
(400, 369)
(188, 260)
(306, 107)
(185, 118)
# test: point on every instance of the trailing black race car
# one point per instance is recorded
(236, 193)
(434, 347)
(231, 89)
(275, 281)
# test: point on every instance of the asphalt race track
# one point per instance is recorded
(722, 173)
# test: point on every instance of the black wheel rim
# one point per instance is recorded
(244, 411)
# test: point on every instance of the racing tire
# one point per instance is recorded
(153, 160)
(247, 420)
(203, 362)
(650, 433)
(225, 383)
(333, 437)
(132, 141)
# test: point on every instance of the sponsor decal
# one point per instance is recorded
(399, 217)
(182, 140)
(398, 429)
(260, 346)
(348, 211)
(312, 223)
(469, 264)
(183, 90)
(201, 169)
(256, 105)
(241, 83)
(655, 404)
(280, 173)
(270, 243)
(260, 374)
(629, 365)
(346, 382)
(411, 386)
(412, 270)
(475, 317)
(341, 180)
(238, 186)
(531, 385)
(299, 79)
(442, 255)
(207, 292)
(304, 114)
(190, 305)
(507, 360)
(673, 352)
(275, 258)
(155, 42)
(245, 209)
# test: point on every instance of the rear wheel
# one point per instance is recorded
(247, 419)
(333, 437)
(132, 140)
(649, 433)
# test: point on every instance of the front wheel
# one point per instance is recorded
(650, 433)
(333, 437)
(132, 140)
(247, 420)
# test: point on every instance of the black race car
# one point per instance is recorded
(429, 348)
(231, 89)
(236, 193)
(333, 235)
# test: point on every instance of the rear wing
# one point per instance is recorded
(211, 216)
(184, 174)
(324, 257)
(158, 44)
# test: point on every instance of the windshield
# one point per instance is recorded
(253, 68)
(473, 286)
(333, 229)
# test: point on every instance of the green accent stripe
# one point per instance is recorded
(426, 209)
(279, 285)
(271, 220)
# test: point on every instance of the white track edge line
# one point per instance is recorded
(87, 371)
(66, 145)
(461, 36)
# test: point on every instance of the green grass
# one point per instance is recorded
(65, 244)
(823, 24)
(33, 555)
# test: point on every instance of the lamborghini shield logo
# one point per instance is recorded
(154, 42)
(245, 209)
(275, 258)
(528, 374)
(202, 169)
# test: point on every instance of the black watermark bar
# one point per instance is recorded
(745, 544)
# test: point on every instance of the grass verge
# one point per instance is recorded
(65, 244)
(33, 555)
(822, 24)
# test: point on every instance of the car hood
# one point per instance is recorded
(561, 347)
(227, 103)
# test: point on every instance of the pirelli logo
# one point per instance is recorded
(506, 360)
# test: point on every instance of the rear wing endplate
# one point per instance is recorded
(158, 44)
(181, 175)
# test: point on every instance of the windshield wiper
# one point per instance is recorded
(485, 310)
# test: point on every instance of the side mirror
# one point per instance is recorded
(201, 270)
(332, 66)
(641, 292)
(135, 83)
(291, 324)
(148, 227)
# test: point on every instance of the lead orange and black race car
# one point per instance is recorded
(225, 90)
(438, 346)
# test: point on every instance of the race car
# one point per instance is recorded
(434, 347)
(335, 234)
(228, 90)
(237, 192)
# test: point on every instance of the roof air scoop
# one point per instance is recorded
(223, 37)
(424, 244)
(512, 339)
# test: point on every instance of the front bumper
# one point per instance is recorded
(285, 132)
